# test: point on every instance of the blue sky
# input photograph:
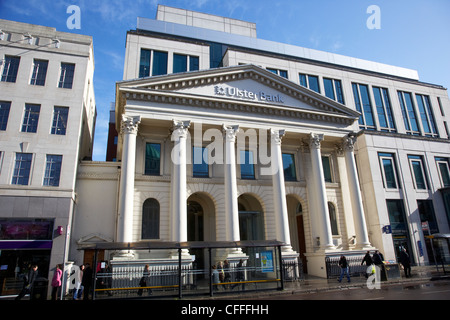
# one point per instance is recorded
(414, 33)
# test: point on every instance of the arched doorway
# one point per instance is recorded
(251, 218)
(201, 225)
(297, 228)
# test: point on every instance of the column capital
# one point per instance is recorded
(230, 132)
(277, 136)
(349, 142)
(129, 124)
(180, 129)
(314, 140)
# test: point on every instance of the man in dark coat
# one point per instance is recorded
(28, 282)
(86, 281)
(406, 262)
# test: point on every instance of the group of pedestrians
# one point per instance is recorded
(375, 260)
(82, 282)
(221, 273)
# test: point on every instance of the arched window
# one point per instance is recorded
(150, 219)
(333, 219)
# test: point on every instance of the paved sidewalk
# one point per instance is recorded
(311, 284)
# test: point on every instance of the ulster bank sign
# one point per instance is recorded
(233, 92)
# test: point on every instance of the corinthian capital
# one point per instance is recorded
(349, 142)
(277, 136)
(180, 129)
(230, 132)
(129, 124)
(314, 140)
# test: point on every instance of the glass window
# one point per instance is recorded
(326, 164)
(444, 170)
(426, 213)
(31, 117)
(313, 83)
(426, 115)
(384, 111)
(52, 170)
(159, 63)
(150, 219)
(10, 68)
(303, 81)
(333, 89)
(59, 124)
(289, 167)
(179, 63)
(39, 72)
(22, 169)
(364, 106)
(144, 63)
(26, 229)
(194, 63)
(408, 112)
(281, 73)
(247, 164)
(329, 90)
(66, 75)
(388, 170)
(152, 159)
(200, 167)
(4, 114)
(418, 171)
(333, 219)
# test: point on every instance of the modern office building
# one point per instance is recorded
(47, 120)
(224, 137)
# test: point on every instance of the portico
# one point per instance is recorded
(177, 112)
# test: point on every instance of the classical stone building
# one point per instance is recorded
(226, 137)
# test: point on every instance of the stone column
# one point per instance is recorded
(178, 181)
(326, 238)
(231, 201)
(279, 190)
(129, 128)
(362, 238)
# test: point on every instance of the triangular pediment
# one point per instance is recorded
(246, 87)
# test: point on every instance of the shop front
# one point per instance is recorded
(23, 243)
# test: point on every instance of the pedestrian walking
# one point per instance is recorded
(369, 263)
(344, 268)
(143, 282)
(28, 282)
(56, 282)
(87, 281)
(406, 262)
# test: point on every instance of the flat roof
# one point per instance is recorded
(204, 34)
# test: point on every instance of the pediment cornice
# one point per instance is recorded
(174, 89)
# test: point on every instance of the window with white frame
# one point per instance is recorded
(388, 170)
(409, 113)
(309, 81)
(39, 72)
(333, 89)
(444, 170)
(383, 108)
(66, 75)
(22, 169)
(9, 68)
(426, 115)
(52, 170)
(418, 172)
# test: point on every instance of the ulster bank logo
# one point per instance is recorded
(233, 92)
